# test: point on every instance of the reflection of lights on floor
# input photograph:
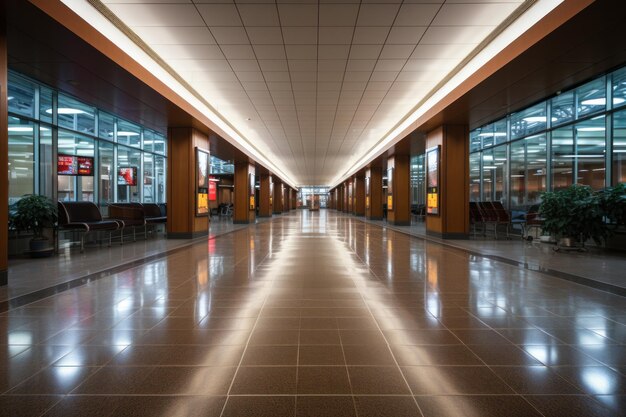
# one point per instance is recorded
(599, 380)
(20, 338)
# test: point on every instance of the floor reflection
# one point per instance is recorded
(314, 312)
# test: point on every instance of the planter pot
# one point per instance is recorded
(569, 242)
(40, 248)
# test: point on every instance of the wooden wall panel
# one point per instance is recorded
(265, 209)
(359, 193)
(453, 220)
(401, 213)
(181, 198)
(375, 211)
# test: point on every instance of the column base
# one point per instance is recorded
(244, 221)
(400, 222)
(4, 277)
(458, 236)
(374, 218)
(186, 235)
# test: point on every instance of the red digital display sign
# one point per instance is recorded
(127, 176)
(212, 190)
(75, 165)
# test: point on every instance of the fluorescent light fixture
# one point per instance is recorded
(517, 176)
(490, 167)
(126, 133)
(599, 169)
(538, 119)
(489, 134)
(22, 129)
(591, 129)
(601, 101)
(582, 156)
(10, 98)
(66, 110)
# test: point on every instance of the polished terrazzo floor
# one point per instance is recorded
(315, 314)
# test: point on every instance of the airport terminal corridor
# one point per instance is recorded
(318, 314)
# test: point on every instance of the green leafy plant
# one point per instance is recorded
(614, 204)
(34, 213)
(575, 212)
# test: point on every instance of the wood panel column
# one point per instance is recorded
(182, 220)
(294, 199)
(374, 206)
(452, 222)
(244, 205)
(4, 155)
(359, 196)
(265, 199)
(399, 214)
(278, 197)
(346, 197)
(286, 199)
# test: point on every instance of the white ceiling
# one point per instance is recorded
(313, 84)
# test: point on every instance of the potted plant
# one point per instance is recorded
(614, 204)
(33, 213)
(573, 215)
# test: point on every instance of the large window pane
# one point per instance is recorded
(499, 131)
(21, 96)
(619, 147)
(47, 164)
(528, 121)
(106, 176)
(128, 133)
(476, 140)
(106, 126)
(128, 174)
(159, 178)
(591, 147)
(536, 168)
(21, 158)
(591, 97)
(475, 176)
(518, 174)
(562, 158)
(489, 174)
(45, 103)
(619, 88)
(71, 187)
(499, 178)
(563, 109)
(148, 178)
(74, 115)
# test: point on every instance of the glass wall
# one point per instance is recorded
(306, 194)
(576, 137)
(418, 180)
(127, 161)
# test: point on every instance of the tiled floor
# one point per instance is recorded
(315, 314)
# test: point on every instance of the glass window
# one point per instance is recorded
(106, 176)
(128, 174)
(45, 103)
(528, 121)
(619, 147)
(499, 174)
(159, 179)
(487, 136)
(499, 131)
(518, 174)
(148, 178)
(489, 174)
(536, 168)
(591, 97)
(148, 140)
(71, 187)
(562, 158)
(619, 88)
(590, 151)
(74, 115)
(21, 96)
(474, 176)
(475, 139)
(562, 108)
(159, 144)
(106, 125)
(417, 180)
(21, 158)
(128, 134)
(47, 165)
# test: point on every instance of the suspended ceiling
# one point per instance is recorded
(313, 85)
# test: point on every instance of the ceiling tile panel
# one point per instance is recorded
(219, 14)
(321, 81)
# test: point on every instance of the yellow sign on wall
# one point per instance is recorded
(432, 203)
(389, 202)
(203, 203)
(367, 201)
(252, 206)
